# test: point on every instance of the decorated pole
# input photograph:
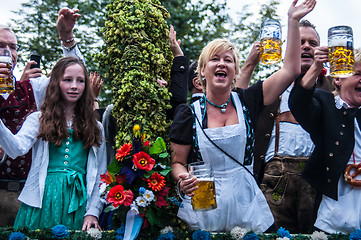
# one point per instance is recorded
(136, 53)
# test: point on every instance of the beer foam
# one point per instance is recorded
(338, 42)
(5, 59)
(205, 179)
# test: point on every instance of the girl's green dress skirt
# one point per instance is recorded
(65, 197)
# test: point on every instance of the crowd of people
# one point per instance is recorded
(279, 149)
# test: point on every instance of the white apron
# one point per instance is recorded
(240, 202)
(343, 215)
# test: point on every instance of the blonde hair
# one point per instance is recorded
(217, 46)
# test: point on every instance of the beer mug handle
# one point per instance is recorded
(180, 193)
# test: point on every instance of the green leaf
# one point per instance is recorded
(148, 174)
(165, 171)
(152, 217)
(109, 208)
(158, 146)
(164, 155)
(114, 167)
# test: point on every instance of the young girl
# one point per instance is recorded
(68, 153)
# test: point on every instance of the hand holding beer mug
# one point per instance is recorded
(341, 57)
(7, 82)
(271, 42)
(204, 198)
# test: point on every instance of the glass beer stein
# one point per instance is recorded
(271, 42)
(204, 198)
(341, 56)
(6, 83)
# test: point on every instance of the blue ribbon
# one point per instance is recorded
(133, 224)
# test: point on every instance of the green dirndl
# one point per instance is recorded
(65, 197)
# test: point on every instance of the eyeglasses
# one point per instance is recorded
(12, 46)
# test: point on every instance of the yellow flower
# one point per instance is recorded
(136, 128)
(143, 137)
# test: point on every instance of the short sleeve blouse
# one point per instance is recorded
(181, 130)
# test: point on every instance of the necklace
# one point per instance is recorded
(222, 106)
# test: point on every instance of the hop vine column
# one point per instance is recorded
(135, 54)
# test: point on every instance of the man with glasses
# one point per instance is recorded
(27, 97)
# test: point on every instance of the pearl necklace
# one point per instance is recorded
(222, 106)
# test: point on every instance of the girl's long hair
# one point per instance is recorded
(53, 125)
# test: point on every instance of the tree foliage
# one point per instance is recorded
(247, 30)
(197, 23)
(35, 28)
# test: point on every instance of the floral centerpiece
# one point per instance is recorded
(138, 181)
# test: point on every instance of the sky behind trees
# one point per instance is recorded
(328, 13)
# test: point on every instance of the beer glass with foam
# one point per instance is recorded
(204, 198)
(7, 82)
(271, 42)
(341, 57)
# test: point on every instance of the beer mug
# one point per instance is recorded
(271, 42)
(7, 83)
(204, 198)
(341, 57)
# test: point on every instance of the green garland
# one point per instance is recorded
(136, 53)
(179, 234)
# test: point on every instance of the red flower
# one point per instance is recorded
(123, 151)
(120, 178)
(160, 197)
(143, 161)
(107, 178)
(156, 182)
(118, 196)
(146, 144)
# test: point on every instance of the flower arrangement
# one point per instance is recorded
(138, 181)
(168, 233)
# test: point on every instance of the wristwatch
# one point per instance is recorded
(69, 48)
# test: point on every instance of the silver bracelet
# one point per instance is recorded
(67, 41)
(69, 48)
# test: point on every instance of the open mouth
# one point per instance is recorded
(306, 56)
(73, 94)
(220, 74)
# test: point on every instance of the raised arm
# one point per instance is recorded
(96, 85)
(243, 79)
(65, 24)
(179, 74)
(309, 79)
(278, 82)
(174, 44)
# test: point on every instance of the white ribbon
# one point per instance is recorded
(133, 223)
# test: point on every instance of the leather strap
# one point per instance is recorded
(277, 137)
(282, 117)
(287, 117)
